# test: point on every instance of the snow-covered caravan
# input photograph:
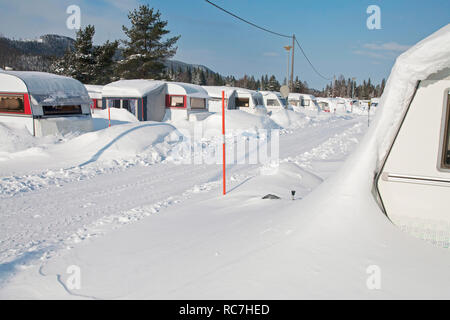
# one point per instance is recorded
(324, 104)
(215, 97)
(249, 101)
(306, 101)
(44, 103)
(185, 100)
(273, 100)
(143, 98)
(413, 175)
(95, 93)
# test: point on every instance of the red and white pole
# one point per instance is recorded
(223, 144)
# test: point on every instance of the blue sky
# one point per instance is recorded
(333, 33)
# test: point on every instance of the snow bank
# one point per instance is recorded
(118, 116)
(289, 119)
(117, 142)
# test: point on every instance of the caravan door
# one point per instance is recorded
(414, 184)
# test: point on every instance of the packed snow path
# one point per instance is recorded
(38, 221)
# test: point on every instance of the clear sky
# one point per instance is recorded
(333, 33)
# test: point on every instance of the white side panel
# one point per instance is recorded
(413, 189)
(63, 125)
(10, 83)
(176, 114)
(18, 121)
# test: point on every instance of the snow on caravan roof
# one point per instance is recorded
(216, 91)
(47, 88)
(420, 62)
(188, 89)
(95, 91)
(131, 88)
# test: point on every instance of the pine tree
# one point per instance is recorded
(86, 62)
(104, 67)
(273, 85)
(145, 50)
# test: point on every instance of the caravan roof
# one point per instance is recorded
(45, 88)
(131, 88)
(216, 91)
(95, 91)
(188, 89)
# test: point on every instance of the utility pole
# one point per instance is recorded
(353, 85)
(334, 82)
(291, 87)
(288, 49)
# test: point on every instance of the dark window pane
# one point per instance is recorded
(11, 103)
(61, 110)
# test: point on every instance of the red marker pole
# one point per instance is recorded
(109, 118)
(223, 144)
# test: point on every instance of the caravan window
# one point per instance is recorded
(61, 110)
(176, 101)
(272, 103)
(113, 103)
(198, 103)
(446, 153)
(12, 103)
(130, 105)
(305, 102)
(294, 102)
(242, 102)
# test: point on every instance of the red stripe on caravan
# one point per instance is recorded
(27, 105)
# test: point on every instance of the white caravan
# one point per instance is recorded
(306, 101)
(412, 174)
(44, 103)
(325, 104)
(145, 99)
(186, 101)
(215, 97)
(414, 181)
(273, 100)
(249, 101)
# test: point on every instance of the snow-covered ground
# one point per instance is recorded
(117, 211)
(59, 195)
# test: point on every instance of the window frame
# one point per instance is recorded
(445, 131)
(273, 102)
(240, 99)
(196, 108)
(169, 98)
(21, 95)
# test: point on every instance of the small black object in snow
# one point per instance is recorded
(271, 196)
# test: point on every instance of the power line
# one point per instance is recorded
(246, 21)
(272, 32)
(310, 63)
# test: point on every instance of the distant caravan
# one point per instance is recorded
(44, 103)
(413, 184)
(306, 101)
(273, 100)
